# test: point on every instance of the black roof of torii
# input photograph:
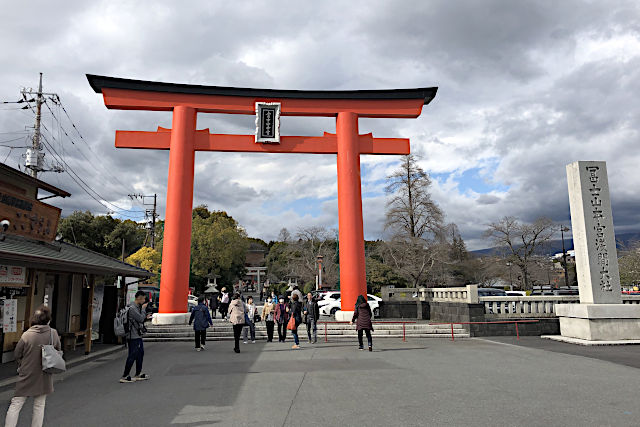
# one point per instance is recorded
(100, 82)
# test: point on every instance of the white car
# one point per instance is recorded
(330, 308)
(192, 302)
(328, 298)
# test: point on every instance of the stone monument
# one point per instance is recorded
(601, 315)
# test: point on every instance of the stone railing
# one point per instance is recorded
(467, 294)
(388, 293)
(533, 306)
(631, 299)
(521, 307)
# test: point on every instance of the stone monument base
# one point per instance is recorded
(344, 316)
(170, 318)
(599, 322)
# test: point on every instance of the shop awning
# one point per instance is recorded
(62, 256)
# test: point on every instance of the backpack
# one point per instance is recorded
(121, 323)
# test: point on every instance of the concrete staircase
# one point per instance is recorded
(223, 331)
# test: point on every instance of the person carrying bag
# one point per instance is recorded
(38, 354)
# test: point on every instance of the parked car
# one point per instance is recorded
(334, 305)
(491, 292)
(516, 293)
(329, 297)
(192, 302)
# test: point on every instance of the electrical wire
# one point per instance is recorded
(58, 102)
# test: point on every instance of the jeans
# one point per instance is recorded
(201, 337)
(136, 354)
(312, 326)
(368, 332)
(269, 330)
(249, 327)
(282, 332)
(295, 336)
(16, 405)
(237, 329)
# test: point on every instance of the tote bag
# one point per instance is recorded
(52, 361)
(292, 324)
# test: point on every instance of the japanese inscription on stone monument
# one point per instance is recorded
(593, 233)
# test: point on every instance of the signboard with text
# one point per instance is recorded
(13, 274)
(28, 217)
(10, 316)
(268, 122)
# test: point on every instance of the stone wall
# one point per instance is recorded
(404, 310)
(460, 312)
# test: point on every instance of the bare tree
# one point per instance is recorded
(414, 259)
(520, 240)
(411, 211)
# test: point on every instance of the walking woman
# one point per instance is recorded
(201, 320)
(282, 317)
(32, 380)
(296, 313)
(362, 317)
(236, 317)
(268, 314)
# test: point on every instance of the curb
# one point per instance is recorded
(8, 383)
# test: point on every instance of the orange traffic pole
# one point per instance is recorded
(176, 247)
(351, 235)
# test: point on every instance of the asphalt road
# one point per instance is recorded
(428, 382)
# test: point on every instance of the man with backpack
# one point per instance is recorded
(130, 320)
(201, 320)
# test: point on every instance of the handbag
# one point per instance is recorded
(292, 324)
(52, 361)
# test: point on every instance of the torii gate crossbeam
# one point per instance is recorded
(183, 140)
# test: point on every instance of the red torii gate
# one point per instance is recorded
(183, 140)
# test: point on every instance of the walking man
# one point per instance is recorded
(201, 320)
(282, 317)
(136, 316)
(311, 316)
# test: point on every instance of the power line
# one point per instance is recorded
(59, 103)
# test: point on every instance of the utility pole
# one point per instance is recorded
(34, 158)
(149, 213)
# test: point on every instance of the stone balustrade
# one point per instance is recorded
(388, 293)
(467, 294)
(524, 307)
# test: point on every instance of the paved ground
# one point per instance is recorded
(429, 382)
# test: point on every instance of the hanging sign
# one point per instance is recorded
(10, 316)
(12, 274)
(268, 122)
(29, 217)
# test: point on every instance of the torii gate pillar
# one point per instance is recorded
(177, 226)
(352, 263)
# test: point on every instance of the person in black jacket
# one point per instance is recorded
(201, 320)
(362, 316)
(311, 316)
(295, 310)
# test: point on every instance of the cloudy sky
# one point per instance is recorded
(524, 88)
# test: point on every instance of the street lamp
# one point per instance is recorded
(320, 258)
(510, 279)
(564, 229)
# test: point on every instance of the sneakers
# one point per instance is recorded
(198, 348)
(370, 349)
(202, 347)
(360, 348)
(310, 342)
(295, 347)
(237, 350)
(141, 377)
(244, 342)
(253, 341)
(126, 379)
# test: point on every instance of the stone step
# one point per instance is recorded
(303, 337)
(213, 331)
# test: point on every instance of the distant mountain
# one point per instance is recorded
(555, 246)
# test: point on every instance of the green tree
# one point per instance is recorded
(102, 234)
(218, 246)
(380, 274)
